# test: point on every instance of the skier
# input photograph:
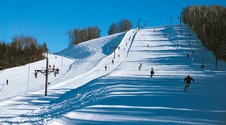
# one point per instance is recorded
(36, 74)
(140, 66)
(105, 67)
(188, 80)
(202, 66)
(7, 82)
(112, 61)
(187, 55)
(152, 72)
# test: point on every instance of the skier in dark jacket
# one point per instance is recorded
(152, 72)
(188, 80)
(140, 66)
(112, 61)
(105, 67)
(7, 82)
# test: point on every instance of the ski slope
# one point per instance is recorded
(70, 63)
(123, 94)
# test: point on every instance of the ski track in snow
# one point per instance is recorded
(125, 95)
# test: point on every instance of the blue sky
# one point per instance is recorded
(49, 20)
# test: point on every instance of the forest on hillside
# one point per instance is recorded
(22, 50)
(209, 23)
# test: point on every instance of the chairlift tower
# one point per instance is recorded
(46, 72)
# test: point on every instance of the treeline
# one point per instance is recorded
(79, 35)
(121, 26)
(22, 50)
(209, 23)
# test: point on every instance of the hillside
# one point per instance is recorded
(22, 80)
(123, 94)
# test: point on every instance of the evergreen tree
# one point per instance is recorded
(208, 22)
(22, 50)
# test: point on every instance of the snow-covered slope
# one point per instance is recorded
(130, 96)
(22, 80)
(95, 46)
(123, 94)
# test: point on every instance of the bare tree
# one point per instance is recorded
(113, 29)
(78, 35)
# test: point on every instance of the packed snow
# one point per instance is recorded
(91, 89)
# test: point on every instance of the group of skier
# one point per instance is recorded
(187, 79)
(113, 60)
(202, 66)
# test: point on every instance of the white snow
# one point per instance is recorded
(85, 93)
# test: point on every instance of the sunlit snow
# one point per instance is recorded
(85, 92)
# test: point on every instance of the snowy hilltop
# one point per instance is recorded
(108, 81)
